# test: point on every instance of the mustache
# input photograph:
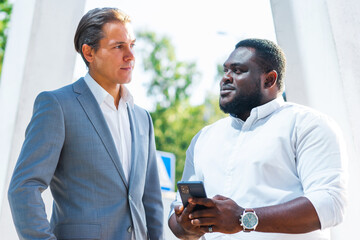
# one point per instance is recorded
(226, 87)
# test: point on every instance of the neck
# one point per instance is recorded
(243, 116)
(114, 91)
(112, 88)
(117, 96)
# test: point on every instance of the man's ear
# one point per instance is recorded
(88, 52)
(270, 79)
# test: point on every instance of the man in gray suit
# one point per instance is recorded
(92, 146)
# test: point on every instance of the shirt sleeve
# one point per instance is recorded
(321, 164)
(188, 173)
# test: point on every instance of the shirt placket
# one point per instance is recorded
(231, 172)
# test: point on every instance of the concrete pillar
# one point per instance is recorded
(321, 41)
(39, 56)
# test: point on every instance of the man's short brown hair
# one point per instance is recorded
(90, 28)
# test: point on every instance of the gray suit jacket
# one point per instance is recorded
(68, 146)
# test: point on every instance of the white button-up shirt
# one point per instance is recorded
(281, 152)
(116, 119)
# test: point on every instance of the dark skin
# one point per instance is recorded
(222, 213)
(245, 81)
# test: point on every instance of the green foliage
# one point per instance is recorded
(174, 128)
(171, 78)
(175, 120)
(5, 12)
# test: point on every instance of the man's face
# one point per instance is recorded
(240, 87)
(114, 61)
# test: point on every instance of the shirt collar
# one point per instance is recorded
(268, 108)
(101, 94)
(263, 110)
(126, 96)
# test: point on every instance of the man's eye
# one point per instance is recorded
(119, 46)
(132, 45)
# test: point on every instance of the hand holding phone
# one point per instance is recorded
(189, 189)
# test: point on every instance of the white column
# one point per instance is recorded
(321, 42)
(39, 56)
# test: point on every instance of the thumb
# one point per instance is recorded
(179, 209)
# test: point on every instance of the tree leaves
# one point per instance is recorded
(175, 120)
(5, 12)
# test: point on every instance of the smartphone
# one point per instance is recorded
(189, 189)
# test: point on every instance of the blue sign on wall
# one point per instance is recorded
(166, 168)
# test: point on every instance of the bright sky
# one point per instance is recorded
(203, 31)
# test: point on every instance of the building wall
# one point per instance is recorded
(321, 42)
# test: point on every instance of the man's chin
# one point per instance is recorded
(223, 106)
(224, 101)
(124, 81)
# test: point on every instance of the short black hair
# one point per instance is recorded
(269, 56)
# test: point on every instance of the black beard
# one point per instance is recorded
(242, 104)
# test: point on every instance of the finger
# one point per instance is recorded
(220, 197)
(200, 222)
(189, 208)
(207, 202)
(208, 212)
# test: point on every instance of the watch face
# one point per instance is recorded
(249, 220)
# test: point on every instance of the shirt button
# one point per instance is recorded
(130, 198)
(129, 229)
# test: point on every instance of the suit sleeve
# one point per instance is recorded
(152, 194)
(35, 168)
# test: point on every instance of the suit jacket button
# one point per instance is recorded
(129, 229)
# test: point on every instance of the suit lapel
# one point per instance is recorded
(96, 117)
(134, 136)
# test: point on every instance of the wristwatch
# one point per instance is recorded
(249, 220)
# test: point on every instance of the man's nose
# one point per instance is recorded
(129, 55)
(227, 77)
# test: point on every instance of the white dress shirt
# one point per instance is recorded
(281, 152)
(116, 119)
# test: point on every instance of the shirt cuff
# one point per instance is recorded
(325, 209)
(176, 202)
